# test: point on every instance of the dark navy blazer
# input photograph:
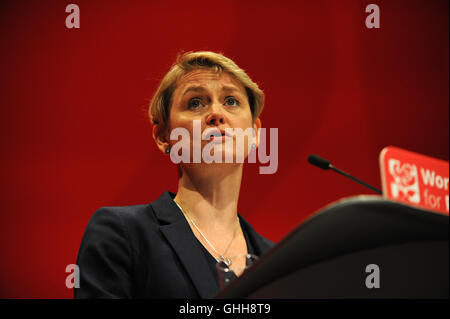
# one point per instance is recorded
(147, 251)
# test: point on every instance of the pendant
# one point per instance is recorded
(227, 261)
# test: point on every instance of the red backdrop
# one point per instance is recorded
(75, 135)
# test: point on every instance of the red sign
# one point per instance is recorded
(416, 179)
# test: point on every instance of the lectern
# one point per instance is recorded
(344, 248)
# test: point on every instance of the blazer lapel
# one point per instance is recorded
(180, 236)
(259, 243)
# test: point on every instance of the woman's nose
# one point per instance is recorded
(215, 117)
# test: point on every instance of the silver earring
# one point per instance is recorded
(167, 150)
(253, 146)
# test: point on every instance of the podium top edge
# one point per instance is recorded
(372, 199)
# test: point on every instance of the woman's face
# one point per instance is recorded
(217, 100)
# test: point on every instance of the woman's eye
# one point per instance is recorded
(194, 103)
(231, 101)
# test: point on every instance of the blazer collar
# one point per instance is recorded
(177, 231)
(166, 210)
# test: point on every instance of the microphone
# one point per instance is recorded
(325, 164)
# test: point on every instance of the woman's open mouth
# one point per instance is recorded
(214, 134)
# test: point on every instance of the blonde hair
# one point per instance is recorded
(160, 104)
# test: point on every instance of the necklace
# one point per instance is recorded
(227, 261)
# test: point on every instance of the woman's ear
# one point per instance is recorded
(160, 139)
(256, 127)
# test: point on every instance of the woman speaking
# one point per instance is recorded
(170, 248)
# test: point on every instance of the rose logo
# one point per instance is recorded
(404, 175)
(406, 181)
